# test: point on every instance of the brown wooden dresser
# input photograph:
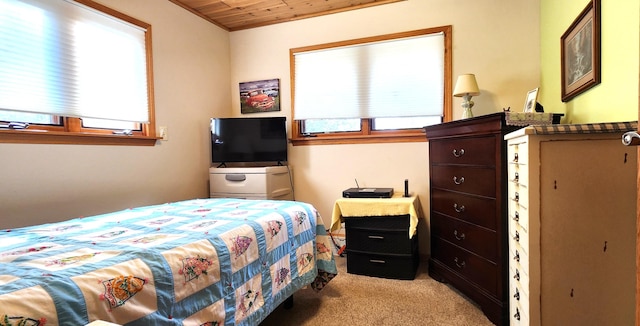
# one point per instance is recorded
(468, 210)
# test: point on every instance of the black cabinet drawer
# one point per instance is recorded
(389, 222)
(401, 267)
(380, 241)
(472, 267)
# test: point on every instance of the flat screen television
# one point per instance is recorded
(248, 140)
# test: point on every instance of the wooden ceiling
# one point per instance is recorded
(234, 15)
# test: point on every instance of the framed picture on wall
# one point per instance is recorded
(260, 96)
(580, 52)
(531, 100)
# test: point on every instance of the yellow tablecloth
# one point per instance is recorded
(396, 205)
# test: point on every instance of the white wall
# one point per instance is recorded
(498, 40)
(43, 183)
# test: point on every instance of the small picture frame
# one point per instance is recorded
(531, 100)
(580, 53)
(260, 96)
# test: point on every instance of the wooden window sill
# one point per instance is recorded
(57, 137)
(357, 139)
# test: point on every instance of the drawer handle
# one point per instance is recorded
(517, 256)
(516, 197)
(515, 157)
(517, 295)
(457, 153)
(517, 314)
(516, 178)
(455, 234)
(516, 237)
(377, 237)
(459, 264)
(516, 217)
(458, 181)
(517, 275)
(377, 261)
(458, 209)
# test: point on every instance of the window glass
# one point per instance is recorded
(382, 87)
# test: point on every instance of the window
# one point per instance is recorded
(376, 89)
(74, 72)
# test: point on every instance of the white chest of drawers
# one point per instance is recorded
(572, 218)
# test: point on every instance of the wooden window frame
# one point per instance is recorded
(367, 134)
(72, 132)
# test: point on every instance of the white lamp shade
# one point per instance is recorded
(466, 84)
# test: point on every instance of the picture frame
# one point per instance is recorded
(260, 96)
(531, 100)
(580, 53)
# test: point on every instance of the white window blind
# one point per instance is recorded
(395, 78)
(62, 58)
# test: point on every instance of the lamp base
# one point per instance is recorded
(467, 113)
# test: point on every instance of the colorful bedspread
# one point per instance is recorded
(204, 261)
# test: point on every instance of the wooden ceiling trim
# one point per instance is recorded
(233, 15)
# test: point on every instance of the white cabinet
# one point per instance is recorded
(270, 182)
(572, 226)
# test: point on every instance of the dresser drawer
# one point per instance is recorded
(518, 153)
(519, 277)
(519, 195)
(472, 267)
(519, 236)
(473, 180)
(478, 240)
(519, 256)
(388, 266)
(518, 175)
(380, 241)
(518, 214)
(518, 314)
(477, 210)
(475, 151)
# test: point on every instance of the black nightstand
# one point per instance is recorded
(381, 235)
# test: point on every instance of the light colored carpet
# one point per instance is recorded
(362, 300)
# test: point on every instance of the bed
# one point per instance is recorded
(196, 262)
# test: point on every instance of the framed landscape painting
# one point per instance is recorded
(580, 53)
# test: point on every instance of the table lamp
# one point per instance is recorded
(466, 87)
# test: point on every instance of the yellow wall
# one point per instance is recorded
(616, 97)
(498, 40)
(45, 183)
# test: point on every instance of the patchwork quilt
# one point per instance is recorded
(196, 262)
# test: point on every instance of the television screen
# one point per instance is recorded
(248, 140)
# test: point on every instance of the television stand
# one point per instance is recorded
(267, 182)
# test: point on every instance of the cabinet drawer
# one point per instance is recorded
(518, 214)
(519, 195)
(476, 210)
(388, 266)
(476, 151)
(518, 175)
(519, 257)
(387, 222)
(470, 266)
(518, 276)
(380, 241)
(518, 153)
(478, 240)
(473, 180)
(518, 235)
(518, 314)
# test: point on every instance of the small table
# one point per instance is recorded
(381, 235)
